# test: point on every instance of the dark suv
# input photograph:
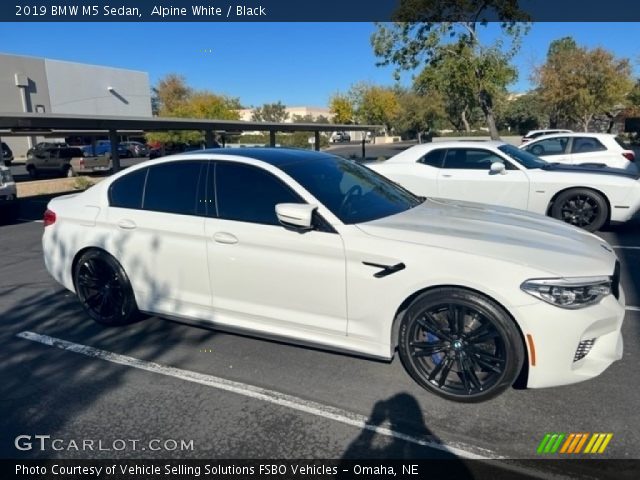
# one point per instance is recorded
(7, 154)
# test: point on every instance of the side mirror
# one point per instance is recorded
(296, 215)
(497, 168)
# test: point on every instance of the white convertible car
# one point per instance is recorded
(497, 173)
(316, 249)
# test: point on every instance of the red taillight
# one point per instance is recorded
(629, 156)
(49, 217)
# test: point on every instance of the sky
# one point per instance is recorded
(295, 63)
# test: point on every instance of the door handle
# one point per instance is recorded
(127, 224)
(224, 237)
(447, 175)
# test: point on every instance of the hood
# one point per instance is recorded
(597, 169)
(503, 233)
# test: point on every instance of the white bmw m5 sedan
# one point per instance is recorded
(313, 248)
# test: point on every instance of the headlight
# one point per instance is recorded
(569, 293)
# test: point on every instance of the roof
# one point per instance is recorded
(39, 122)
(572, 134)
(277, 157)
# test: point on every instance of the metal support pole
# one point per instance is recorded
(317, 138)
(115, 158)
(363, 148)
(209, 138)
(224, 140)
(272, 138)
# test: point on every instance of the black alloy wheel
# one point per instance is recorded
(582, 208)
(460, 345)
(104, 290)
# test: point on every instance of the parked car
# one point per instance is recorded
(7, 154)
(584, 148)
(103, 147)
(52, 161)
(533, 134)
(136, 149)
(82, 165)
(318, 249)
(172, 149)
(500, 174)
(339, 137)
(8, 194)
(43, 146)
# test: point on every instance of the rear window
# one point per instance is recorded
(126, 192)
(69, 152)
(622, 143)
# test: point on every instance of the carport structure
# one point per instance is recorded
(29, 124)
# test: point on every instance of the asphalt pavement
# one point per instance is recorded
(234, 396)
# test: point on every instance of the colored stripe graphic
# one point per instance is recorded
(573, 443)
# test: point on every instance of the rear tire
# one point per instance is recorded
(104, 290)
(460, 345)
(582, 208)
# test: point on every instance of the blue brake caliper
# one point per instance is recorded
(436, 357)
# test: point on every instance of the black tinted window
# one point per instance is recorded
(470, 159)
(434, 158)
(586, 145)
(548, 146)
(250, 194)
(126, 192)
(173, 187)
(352, 192)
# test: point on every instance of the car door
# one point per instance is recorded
(264, 275)
(554, 149)
(466, 175)
(157, 217)
(588, 150)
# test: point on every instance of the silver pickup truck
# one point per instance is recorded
(65, 161)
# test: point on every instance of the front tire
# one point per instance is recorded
(104, 290)
(460, 345)
(582, 208)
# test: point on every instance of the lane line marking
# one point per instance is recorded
(282, 399)
(628, 247)
(632, 309)
(251, 391)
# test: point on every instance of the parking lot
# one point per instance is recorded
(220, 395)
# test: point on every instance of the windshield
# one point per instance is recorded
(352, 192)
(524, 158)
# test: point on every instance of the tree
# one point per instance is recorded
(176, 99)
(418, 114)
(342, 109)
(522, 113)
(171, 92)
(374, 104)
(482, 70)
(270, 112)
(579, 84)
(451, 74)
(308, 118)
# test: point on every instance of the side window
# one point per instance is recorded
(548, 146)
(173, 187)
(126, 192)
(434, 158)
(249, 194)
(472, 159)
(586, 145)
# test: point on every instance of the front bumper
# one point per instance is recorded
(557, 334)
